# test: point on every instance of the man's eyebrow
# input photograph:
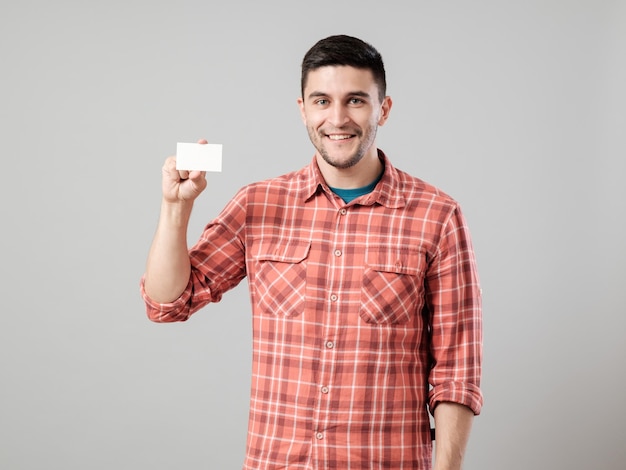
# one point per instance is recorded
(317, 94)
(360, 94)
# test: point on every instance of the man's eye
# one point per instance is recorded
(356, 101)
(322, 102)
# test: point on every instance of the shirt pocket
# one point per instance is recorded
(280, 279)
(393, 286)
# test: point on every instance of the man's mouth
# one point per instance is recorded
(339, 136)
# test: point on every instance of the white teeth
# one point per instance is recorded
(338, 137)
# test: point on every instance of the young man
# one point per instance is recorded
(365, 297)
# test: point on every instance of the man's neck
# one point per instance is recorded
(363, 173)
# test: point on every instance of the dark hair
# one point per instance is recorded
(345, 50)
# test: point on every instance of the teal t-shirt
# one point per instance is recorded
(350, 194)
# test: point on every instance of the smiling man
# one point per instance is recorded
(366, 301)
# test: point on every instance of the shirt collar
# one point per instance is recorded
(386, 193)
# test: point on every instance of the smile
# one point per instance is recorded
(339, 136)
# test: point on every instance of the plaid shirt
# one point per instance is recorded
(365, 315)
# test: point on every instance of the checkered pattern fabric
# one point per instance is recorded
(365, 316)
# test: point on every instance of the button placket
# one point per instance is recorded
(329, 343)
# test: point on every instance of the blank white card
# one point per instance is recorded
(202, 157)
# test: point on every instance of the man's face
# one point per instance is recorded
(342, 111)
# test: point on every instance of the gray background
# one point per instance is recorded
(517, 109)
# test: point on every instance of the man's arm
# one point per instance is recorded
(453, 423)
(454, 298)
(168, 266)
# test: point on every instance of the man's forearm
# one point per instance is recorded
(453, 423)
(168, 267)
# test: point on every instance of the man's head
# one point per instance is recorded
(345, 50)
(343, 102)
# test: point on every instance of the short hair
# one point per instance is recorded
(345, 50)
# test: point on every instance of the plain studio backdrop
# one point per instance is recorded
(515, 108)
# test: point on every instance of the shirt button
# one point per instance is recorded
(337, 252)
(319, 435)
(343, 212)
(330, 344)
(325, 389)
(334, 298)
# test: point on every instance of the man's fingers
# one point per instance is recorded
(196, 175)
(170, 164)
(169, 167)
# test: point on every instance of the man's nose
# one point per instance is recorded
(338, 115)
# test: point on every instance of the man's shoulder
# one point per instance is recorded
(415, 188)
(292, 182)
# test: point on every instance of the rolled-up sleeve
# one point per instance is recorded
(455, 307)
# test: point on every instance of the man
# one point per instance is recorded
(365, 296)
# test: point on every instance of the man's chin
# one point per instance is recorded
(341, 162)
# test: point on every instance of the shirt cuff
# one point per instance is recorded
(169, 311)
(467, 394)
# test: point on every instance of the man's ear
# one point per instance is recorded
(301, 106)
(385, 109)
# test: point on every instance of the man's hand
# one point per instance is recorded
(182, 185)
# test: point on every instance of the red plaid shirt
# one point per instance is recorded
(365, 315)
